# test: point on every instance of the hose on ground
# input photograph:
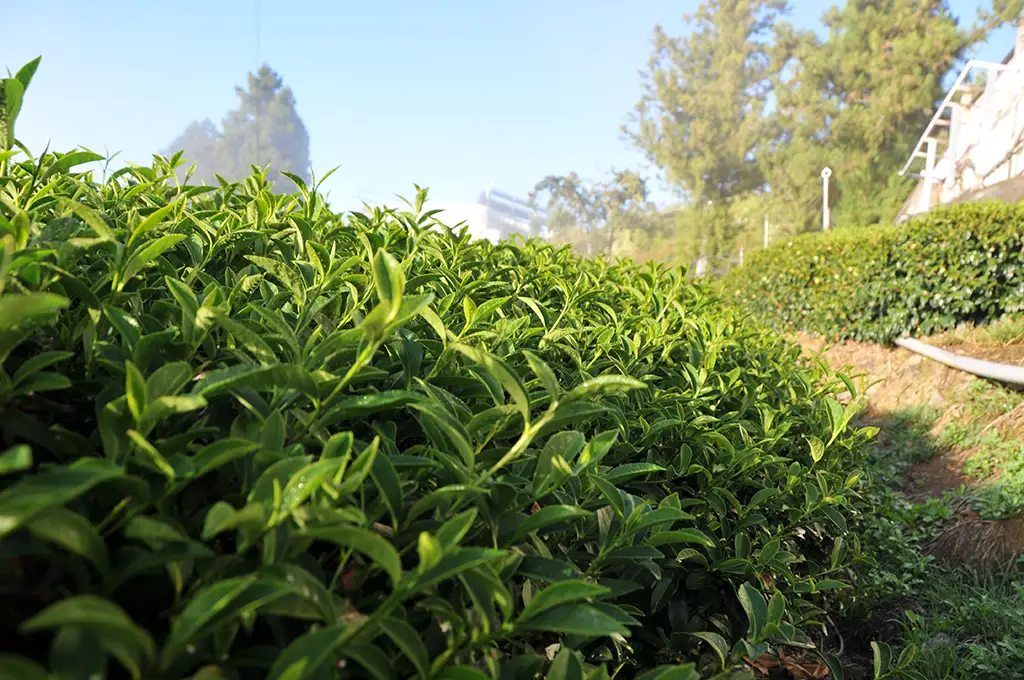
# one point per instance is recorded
(1003, 373)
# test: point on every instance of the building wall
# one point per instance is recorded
(483, 222)
(985, 141)
(985, 136)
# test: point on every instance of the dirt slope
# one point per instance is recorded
(896, 381)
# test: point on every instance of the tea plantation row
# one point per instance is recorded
(245, 437)
(956, 264)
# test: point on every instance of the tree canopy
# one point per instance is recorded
(265, 130)
(741, 113)
(596, 217)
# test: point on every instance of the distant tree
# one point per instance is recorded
(701, 117)
(590, 216)
(745, 105)
(264, 130)
(202, 143)
(858, 99)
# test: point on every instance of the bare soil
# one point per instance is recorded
(893, 379)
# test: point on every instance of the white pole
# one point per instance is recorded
(826, 217)
(741, 256)
(765, 231)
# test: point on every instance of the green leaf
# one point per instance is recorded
(452, 531)
(717, 643)
(14, 667)
(461, 673)
(386, 478)
(220, 517)
(882, 657)
(611, 494)
(370, 544)
(817, 448)
(213, 605)
(830, 584)
(835, 666)
(681, 536)
(452, 429)
(15, 459)
(835, 517)
(553, 514)
(37, 363)
(429, 551)
(754, 605)
(371, 658)
(220, 453)
(389, 281)
(43, 382)
(135, 389)
(435, 322)
(169, 379)
(501, 372)
(153, 220)
(659, 516)
(308, 654)
(95, 614)
(91, 218)
(304, 483)
(623, 472)
(359, 406)
(17, 309)
(563, 592)
(407, 639)
(25, 73)
(360, 469)
(566, 665)
(72, 532)
(247, 337)
(151, 455)
(284, 274)
(575, 619)
(260, 378)
(601, 385)
(544, 374)
(453, 563)
(52, 488)
(776, 608)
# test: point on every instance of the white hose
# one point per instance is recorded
(983, 369)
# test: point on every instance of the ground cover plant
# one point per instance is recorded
(954, 265)
(246, 437)
(954, 622)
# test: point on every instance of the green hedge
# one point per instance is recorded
(954, 265)
(244, 437)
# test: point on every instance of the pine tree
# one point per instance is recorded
(264, 130)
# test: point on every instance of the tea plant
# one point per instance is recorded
(955, 265)
(248, 437)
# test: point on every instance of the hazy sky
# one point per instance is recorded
(451, 94)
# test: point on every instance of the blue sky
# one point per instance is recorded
(453, 95)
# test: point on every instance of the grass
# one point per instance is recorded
(1006, 331)
(984, 399)
(966, 625)
(947, 623)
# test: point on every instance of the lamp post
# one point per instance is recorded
(826, 217)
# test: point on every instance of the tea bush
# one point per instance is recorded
(954, 265)
(247, 437)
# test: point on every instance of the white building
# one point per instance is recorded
(976, 138)
(496, 216)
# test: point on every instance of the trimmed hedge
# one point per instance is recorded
(250, 438)
(954, 265)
